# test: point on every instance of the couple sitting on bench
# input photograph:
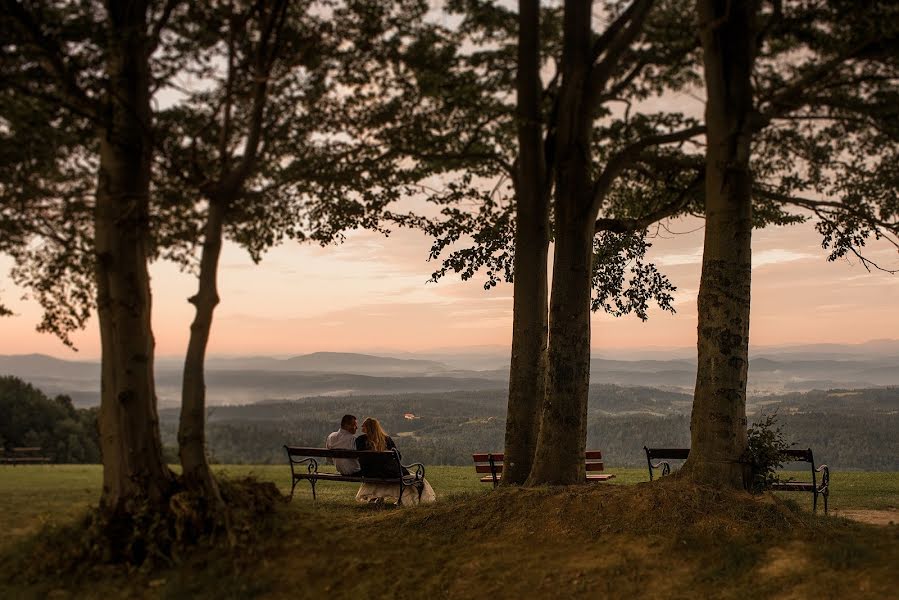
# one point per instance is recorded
(373, 438)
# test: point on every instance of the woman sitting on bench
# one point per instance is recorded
(374, 438)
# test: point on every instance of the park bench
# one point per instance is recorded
(663, 455)
(492, 464)
(304, 464)
(23, 456)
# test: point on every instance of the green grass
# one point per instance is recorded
(609, 540)
(34, 495)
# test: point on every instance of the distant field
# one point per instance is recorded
(34, 495)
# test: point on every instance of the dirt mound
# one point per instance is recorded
(664, 507)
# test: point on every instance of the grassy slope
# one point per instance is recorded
(649, 540)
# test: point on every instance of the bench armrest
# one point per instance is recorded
(664, 465)
(419, 472)
(311, 464)
(825, 478)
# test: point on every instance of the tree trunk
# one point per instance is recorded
(527, 373)
(563, 427)
(196, 475)
(133, 469)
(718, 422)
(559, 458)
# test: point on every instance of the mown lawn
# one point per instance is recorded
(609, 541)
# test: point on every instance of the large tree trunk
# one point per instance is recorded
(197, 476)
(133, 469)
(527, 374)
(559, 458)
(563, 427)
(718, 422)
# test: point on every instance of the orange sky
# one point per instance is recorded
(370, 294)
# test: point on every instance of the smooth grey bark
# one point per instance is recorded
(133, 469)
(718, 421)
(559, 458)
(527, 373)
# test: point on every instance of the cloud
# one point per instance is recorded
(688, 258)
(776, 256)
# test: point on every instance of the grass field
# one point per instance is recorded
(608, 540)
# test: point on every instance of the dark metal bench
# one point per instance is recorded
(23, 456)
(385, 462)
(663, 455)
(492, 463)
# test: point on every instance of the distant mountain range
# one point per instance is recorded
(241, 380)
(331, 362)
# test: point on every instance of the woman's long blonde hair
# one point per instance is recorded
(377, 437)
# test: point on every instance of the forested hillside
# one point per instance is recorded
(29, 418)
(848, 430)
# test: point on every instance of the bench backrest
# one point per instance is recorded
(492, 462)
(799, 455)
(669, 453)
(388, 461)
(682, 454)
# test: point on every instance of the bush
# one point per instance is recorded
(765, 452)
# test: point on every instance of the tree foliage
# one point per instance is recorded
(31, 419)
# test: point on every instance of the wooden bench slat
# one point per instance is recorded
(794, 486)
(590, 478)
(499, 456)
(482, 464)
(336, 453)
(23, 454)
(484, 457)
(339, 477)
(487, 469)
(671, 453)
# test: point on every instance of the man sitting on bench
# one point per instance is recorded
(345, 439)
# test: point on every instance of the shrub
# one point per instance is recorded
(765, 452)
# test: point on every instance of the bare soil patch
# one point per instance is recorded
(872, 517)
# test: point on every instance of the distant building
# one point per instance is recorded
(410, 416)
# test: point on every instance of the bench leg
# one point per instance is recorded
(292, 488)
(312, 481)
(815, 502)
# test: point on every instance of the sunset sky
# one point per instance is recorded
(371, 295)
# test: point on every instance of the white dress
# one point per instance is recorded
(371, 492)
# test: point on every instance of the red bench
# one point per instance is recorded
(492, 463)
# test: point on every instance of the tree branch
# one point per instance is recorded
(618, 43)
(602, 43)
(795, 94)
(54, 57)
(628, 225)
(631, 153)
(156, 31)
(822, 208)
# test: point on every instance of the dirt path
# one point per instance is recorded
(872, 517)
